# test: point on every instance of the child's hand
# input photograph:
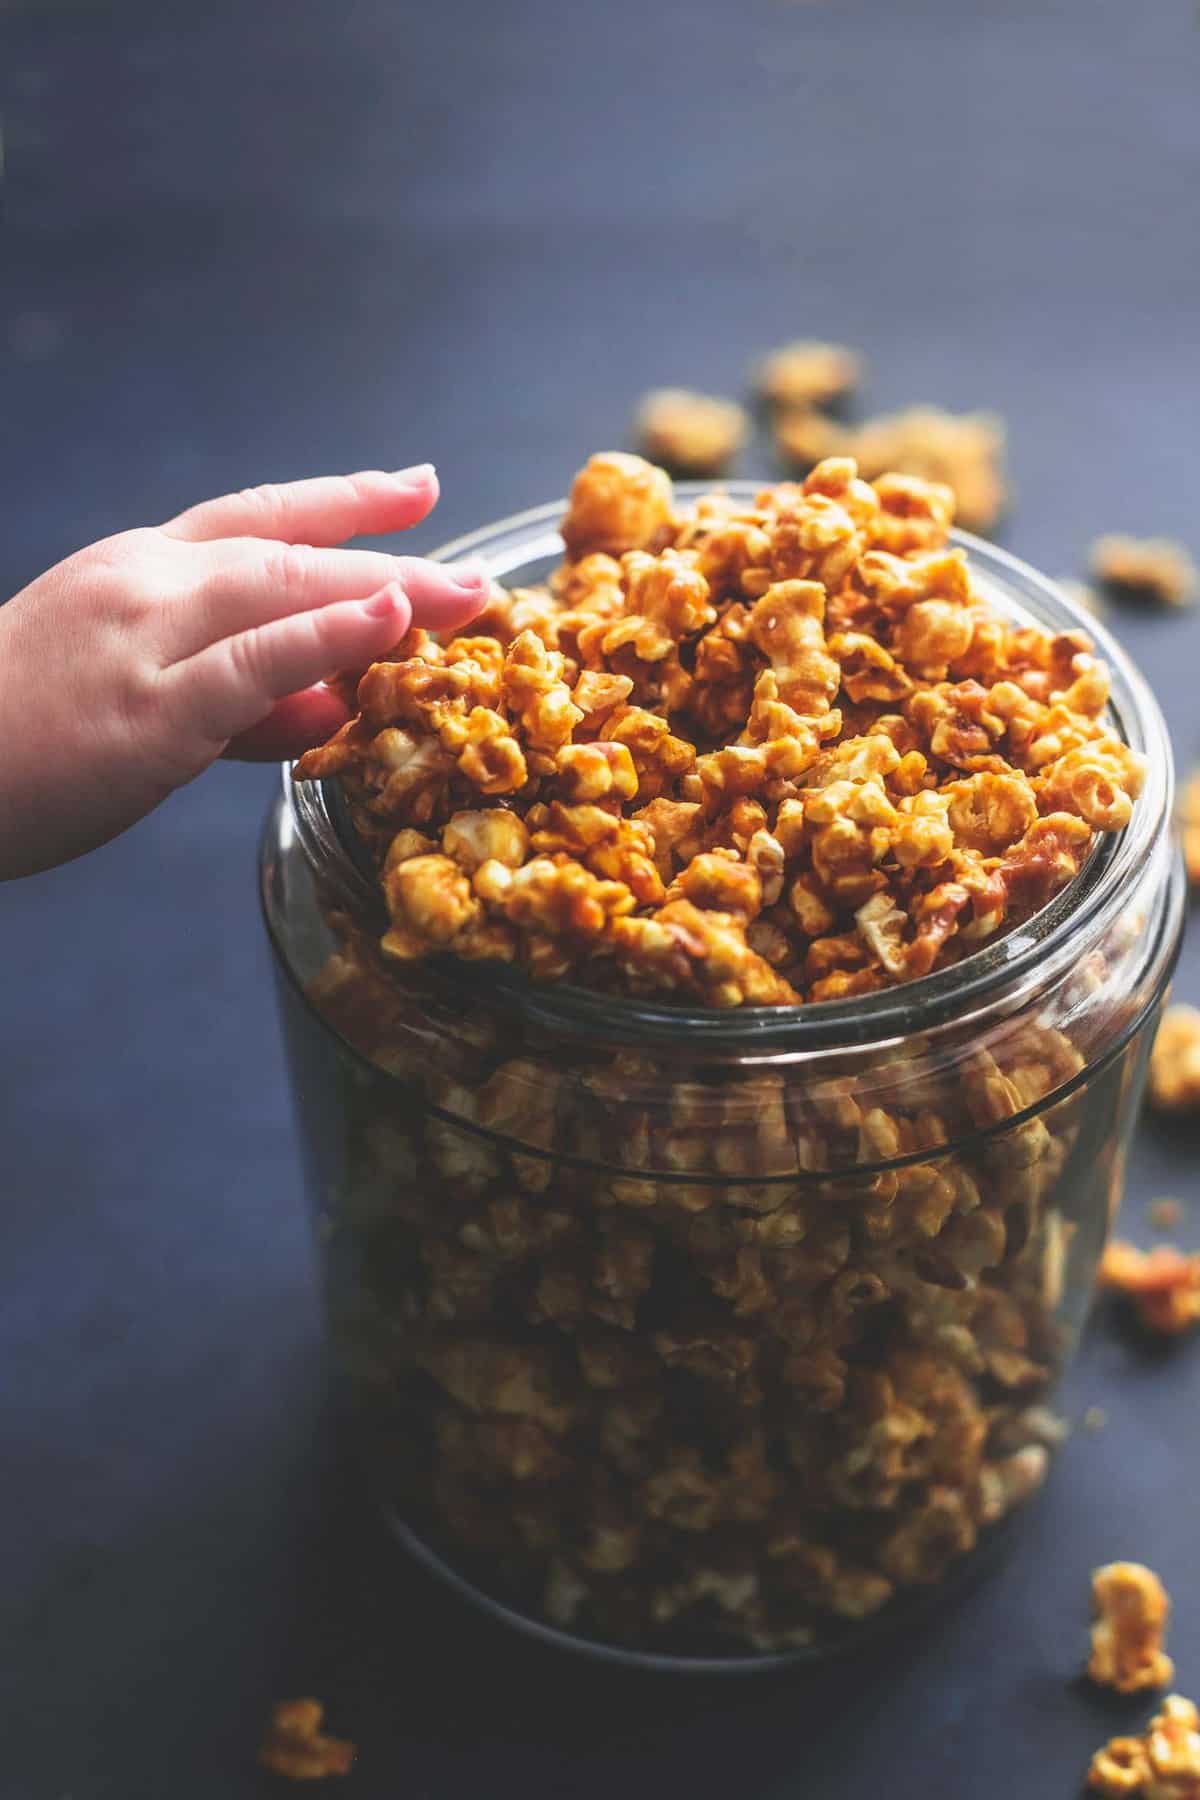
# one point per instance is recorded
(127, 669)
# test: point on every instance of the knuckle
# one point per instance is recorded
(140, 541)
(139, 706)
(120, 574)
(293, 570)
(249, 663)
(358, 488)
(124, 554)
(265, 502)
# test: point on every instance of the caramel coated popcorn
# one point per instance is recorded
(296, 1747)
(1131, 1608)
(696, 434)
(807, 373)
(962, 451)
(1157, 570)
(1162, 1764)
(734, 754)
(1174, 1081)
(1162, 1284)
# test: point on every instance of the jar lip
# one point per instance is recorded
(1005, 973)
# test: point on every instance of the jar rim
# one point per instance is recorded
(999, 976)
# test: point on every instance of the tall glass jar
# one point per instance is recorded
(716, 1337)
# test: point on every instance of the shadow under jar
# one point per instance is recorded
(706, 1337)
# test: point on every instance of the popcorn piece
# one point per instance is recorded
(915, 514)
(472, 838)
(670, 824)
(1174, 1082)
(1163, 1764)
(807, 373)
(598, 694)
(787, 626)
(989, 813)
(1173, 1752)
(597, 771)
(1131, 1609)
(431, 904)
(563, 899)
(659, 758)
(295, 1746)
(697, 434)
(1157, 570)
(704, 954)
(1163, 1284)
(536, 694)
(718, 882)
(1121, 1768)
(491, 757)
(667, 598)
(815, 538)
(617, 503)
(883, 927)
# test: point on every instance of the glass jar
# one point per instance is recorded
(716, 1338)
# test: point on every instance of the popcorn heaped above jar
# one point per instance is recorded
(732, 753)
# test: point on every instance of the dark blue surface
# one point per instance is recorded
(260, 242)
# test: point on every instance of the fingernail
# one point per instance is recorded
(472, 574)
(383, 604)
(420, 475)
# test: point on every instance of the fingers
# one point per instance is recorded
(253, 583)
(233, 685)
(327, 510)
(292, 726)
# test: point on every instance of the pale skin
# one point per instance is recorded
(130, 667)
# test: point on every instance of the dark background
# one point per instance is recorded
(271, 240)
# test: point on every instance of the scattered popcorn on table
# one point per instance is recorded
(964, 451)
(807, 373)
(1131, 1608)
(1162, 1764)
(1163, 1284)
(1153, 569)
(1174, 1081)
(295, 1746)
(1095, 1419)
(1165, 1214)
(693, 434)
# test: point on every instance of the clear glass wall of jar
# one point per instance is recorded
(716, 1337)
